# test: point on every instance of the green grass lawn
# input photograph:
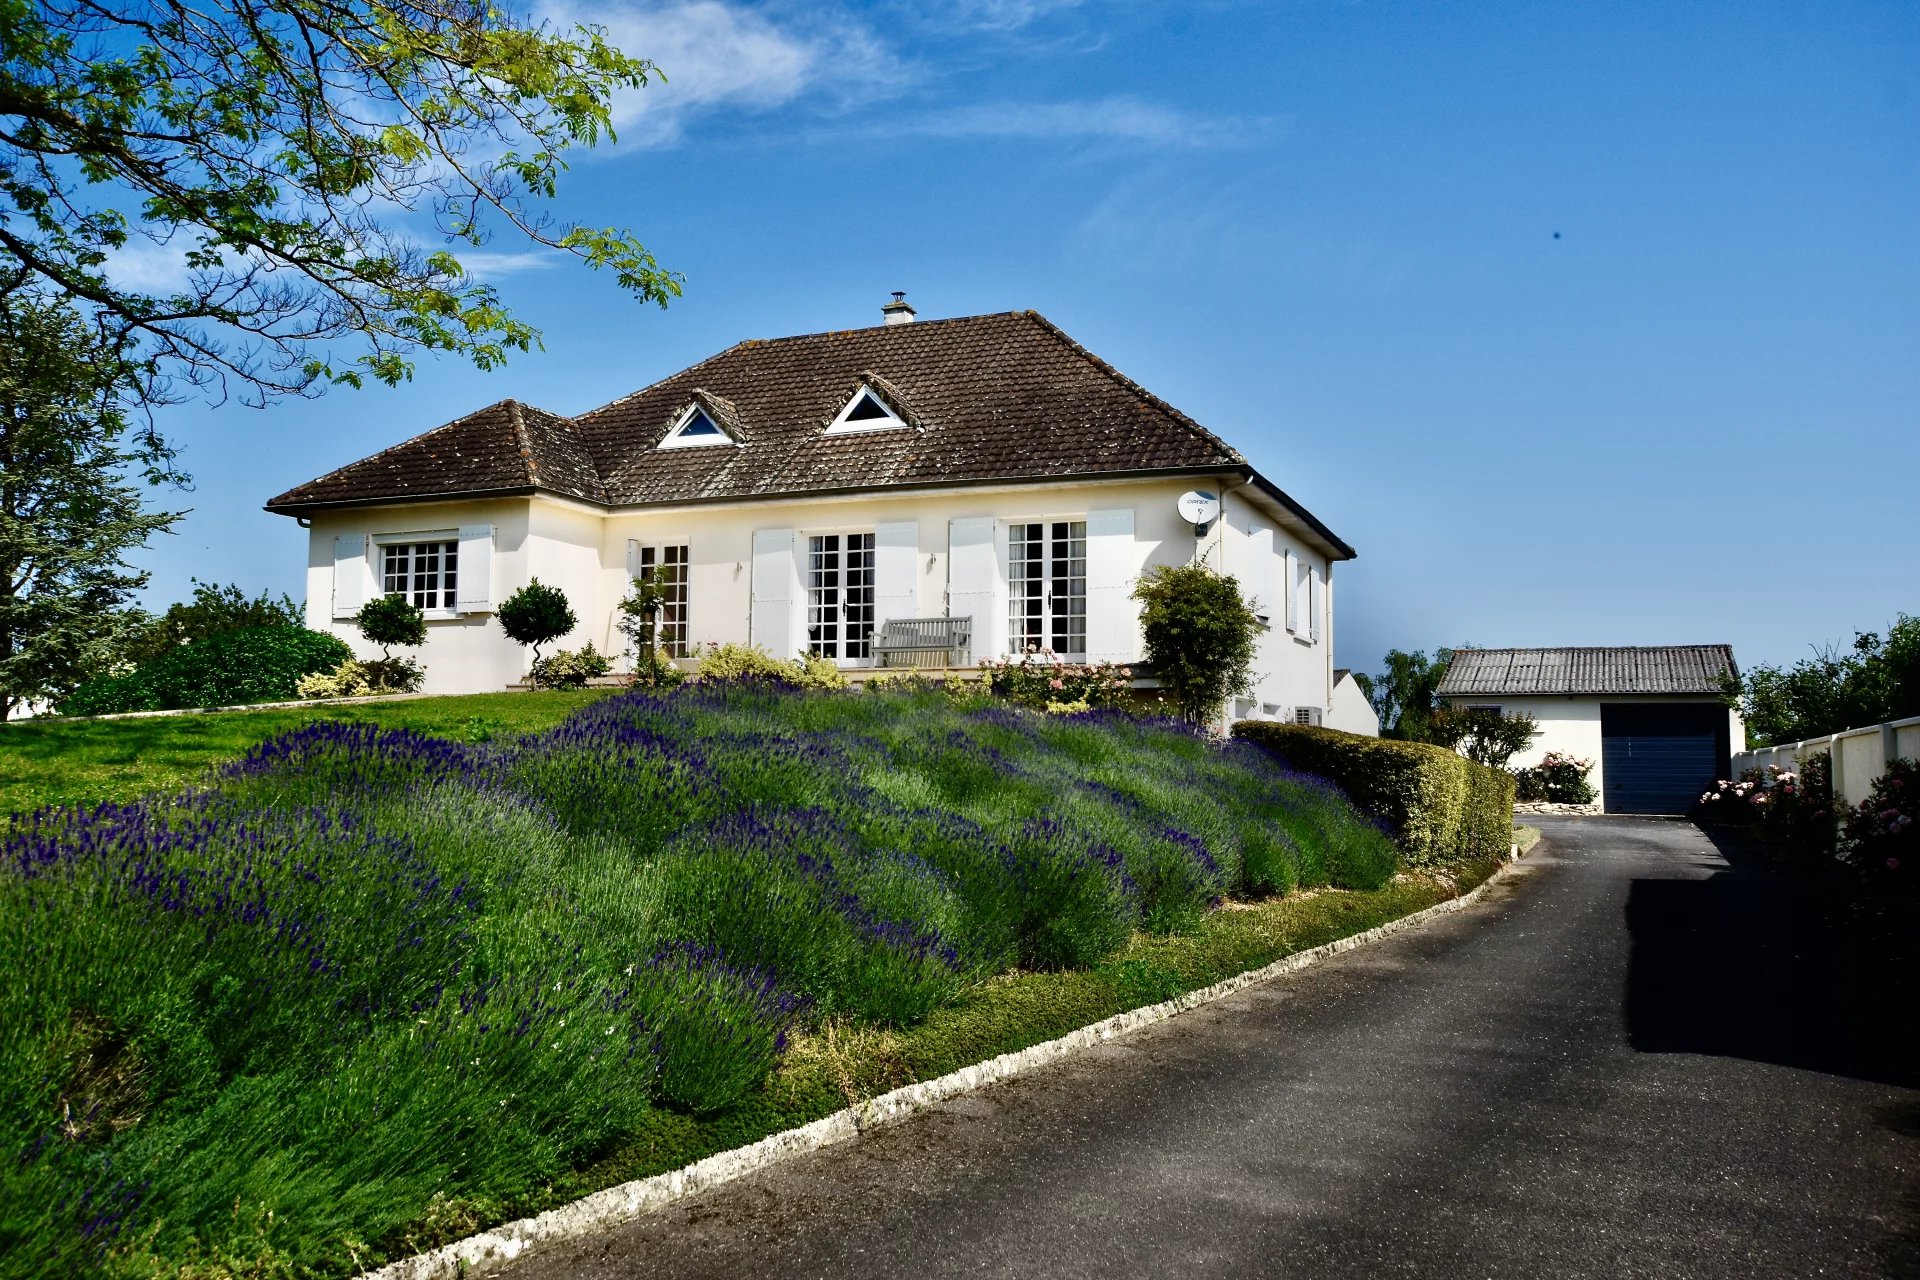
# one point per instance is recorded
(86, 761)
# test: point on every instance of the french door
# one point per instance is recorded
(840, 596)
(1047, 587)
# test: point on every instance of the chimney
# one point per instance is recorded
(897, 311)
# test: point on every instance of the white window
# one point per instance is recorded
(865, 412)
(668, 565)
(425, 573)
(839, 582)
(1047, 588)
(695, 427)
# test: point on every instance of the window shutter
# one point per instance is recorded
(1293, 595)
(1113, 620)
(771, 626)
(974, 578)
(349, 574)
(473, 592)
(1254, 586)
(896, 571)
(633, 566)
(1316, 598)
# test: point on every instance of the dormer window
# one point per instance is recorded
(865, 412)
(695, 428)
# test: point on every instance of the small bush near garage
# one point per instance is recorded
(258, 664)
(1557, 779)
(1443, 808)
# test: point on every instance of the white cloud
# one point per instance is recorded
(1119, 119)
(994, 15)
(716, 55)
(145, 266)
(488, 263)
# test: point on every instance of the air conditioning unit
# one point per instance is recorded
(1306, 715)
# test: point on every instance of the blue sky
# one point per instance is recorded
(1585, 324)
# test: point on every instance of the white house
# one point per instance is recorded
(798, 493)
(1653, 720)
(1352, 711)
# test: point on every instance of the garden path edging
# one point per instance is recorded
(629, 1200)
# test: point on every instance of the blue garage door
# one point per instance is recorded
(1659, 758)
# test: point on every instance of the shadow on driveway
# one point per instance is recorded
(1773, 962)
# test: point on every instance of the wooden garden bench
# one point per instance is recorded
(925, 642)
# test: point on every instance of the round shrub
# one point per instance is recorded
(258, 664)
(536, 614)
(392, 620)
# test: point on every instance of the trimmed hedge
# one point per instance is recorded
(257, 664)
(1441, 806)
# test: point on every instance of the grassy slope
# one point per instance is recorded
(85, 761)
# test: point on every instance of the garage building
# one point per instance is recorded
(1652, 719)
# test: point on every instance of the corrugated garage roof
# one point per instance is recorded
(1692, 668)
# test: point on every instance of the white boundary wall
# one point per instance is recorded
(1859, 756)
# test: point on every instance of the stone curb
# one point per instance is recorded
(629, 1200)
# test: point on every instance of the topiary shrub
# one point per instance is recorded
(535, 615)
(1440, 806)
(257, 664)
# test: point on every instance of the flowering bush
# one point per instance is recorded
(751, 662)
(1791, 806)
(1559, 778)
(1039, 677)
(1881, 837)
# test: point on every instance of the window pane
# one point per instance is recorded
(823, 595)
(859, 595)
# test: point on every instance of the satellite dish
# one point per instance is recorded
(1199, 507)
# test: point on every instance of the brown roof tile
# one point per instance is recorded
(985, 398)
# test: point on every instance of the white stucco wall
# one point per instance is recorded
(1351, 712)
(583, 551)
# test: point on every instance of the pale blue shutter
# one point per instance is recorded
(1113, 619)
(349, 574)
(775, 593)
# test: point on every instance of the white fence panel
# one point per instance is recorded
(1859, 756)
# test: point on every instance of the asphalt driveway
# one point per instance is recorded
(1634, 1059)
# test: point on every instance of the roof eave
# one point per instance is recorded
(279, 508)
(1340, 548)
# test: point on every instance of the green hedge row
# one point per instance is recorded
(256, 664)
(1443, 807)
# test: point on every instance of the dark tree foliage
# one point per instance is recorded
(288, 164)
(391, 620)
(1200, 636)
(1406, 693)
(536, 614)
(214, 610)
(69, 516)
(1483, 735)
(1875, 680)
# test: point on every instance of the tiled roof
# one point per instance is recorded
(1004, 397)
(1697, 668)
(505, 447)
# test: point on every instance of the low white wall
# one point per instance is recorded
(1859, 756)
